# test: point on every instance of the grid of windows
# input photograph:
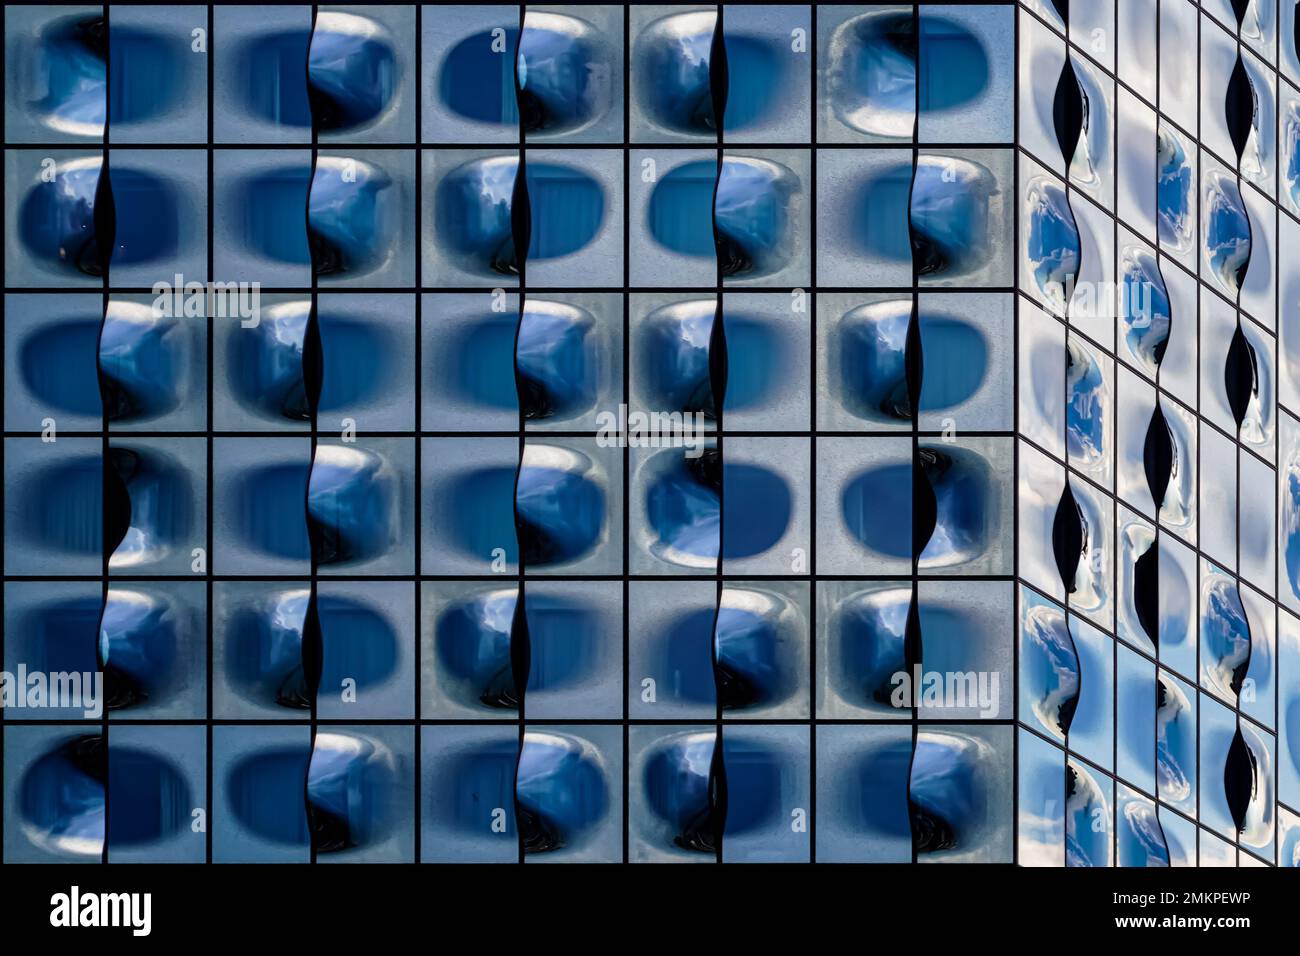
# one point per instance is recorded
(1173, 619)
(652, 433)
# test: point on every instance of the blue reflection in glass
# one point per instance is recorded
(1049, 668)
(1225, 636)
(56, 221)
(472, 640)
(879, 220)
(1087, 815)
(352, 71)
(683, 508)
(1227, 231)
(872, 366)
(350, 790)
(1290, 521)
(61, 798)
(961, 481)
(1136, 695)
(1139, 838)
(1087, 408)
(1145, 308)
(1291, 153)
(949, 215)
(673, 356)
(1052, 245)
(162, 505)
(353, 217)
(937, 219)
(265, 363)
(873, 373)
(1288, 849)
(946, 790)
(873, 70)
(671, 68)
(472, 215)
(70, 59)
(956, 361)
(559, 506)
(352, 503)
(755, 361)
(564, 73)
(749, 209)
(1174, 192)
(556, 360)
(139, 637)
(560, 791)
(1175, 743)
(870, 628)
(264, 650)
(751, 213)
(143, 361)
(955, 67)
(1178, 605)
(677, 786)
(872, 75)
(754, 665)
